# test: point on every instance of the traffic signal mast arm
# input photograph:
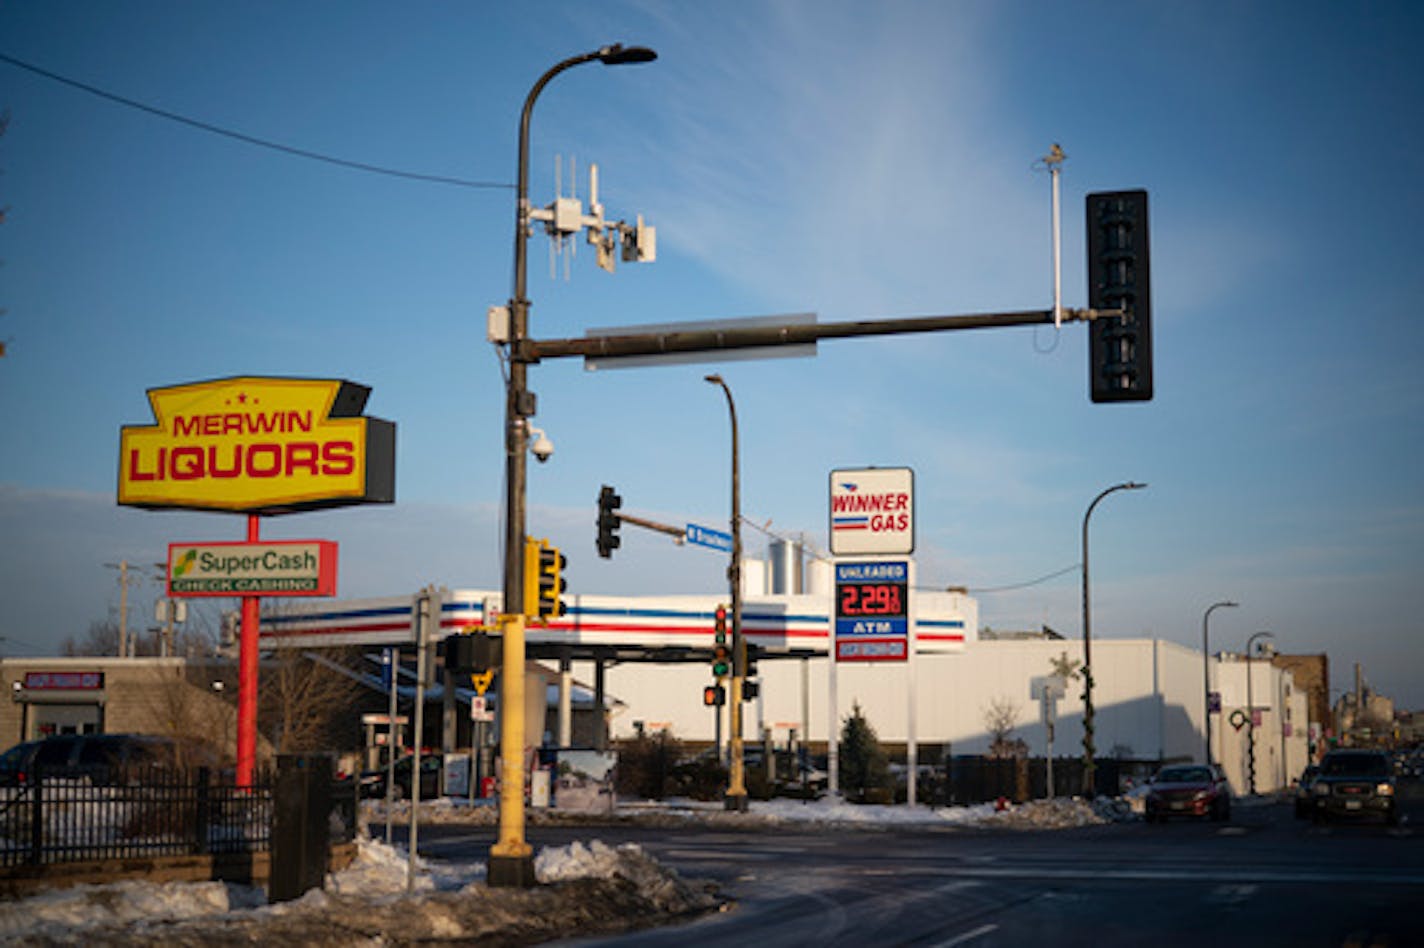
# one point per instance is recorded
(749, 337)
(679, 532)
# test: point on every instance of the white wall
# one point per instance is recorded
(1279, 758)
(1147, 697)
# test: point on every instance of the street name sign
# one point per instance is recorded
(705, 536)
(872, 511)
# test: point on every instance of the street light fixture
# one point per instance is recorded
(511, 861)
(1251, 714)
(1206, 673)
(736, 781)
(1089, 767)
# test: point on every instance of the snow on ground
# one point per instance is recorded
(586, 888)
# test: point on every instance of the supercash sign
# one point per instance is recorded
(258, 445)
(872, 511)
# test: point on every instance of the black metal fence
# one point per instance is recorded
(982, 779)
(157, 812)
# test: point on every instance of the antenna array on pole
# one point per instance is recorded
(565, 217)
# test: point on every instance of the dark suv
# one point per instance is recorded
(103, 758)
(1354, 783)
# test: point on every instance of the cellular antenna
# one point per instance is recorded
(565, 217)
(1053, 161)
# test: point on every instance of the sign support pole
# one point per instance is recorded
(247, 675)
(833, 729)
(912, 744)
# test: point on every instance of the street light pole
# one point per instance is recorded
(1206, 674)
(511, 861)
(1251, 714)
(1089, 767)
(736, 783)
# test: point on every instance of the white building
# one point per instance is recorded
(653, 653)
(1148, 701)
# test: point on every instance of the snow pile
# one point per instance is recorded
(587, 890)
(57, 913)
(1058, 813)
(660, 886)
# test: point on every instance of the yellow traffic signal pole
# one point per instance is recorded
(511, 853)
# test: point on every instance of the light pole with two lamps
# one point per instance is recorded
(1206, 674)
(736, 778)
(511, 861)
(1089, 767)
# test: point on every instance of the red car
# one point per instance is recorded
(1188, 790)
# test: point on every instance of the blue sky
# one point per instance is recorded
(846, 159)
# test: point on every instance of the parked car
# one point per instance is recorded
(1354, 782)
(1302, 791)
(1188, 790)
(102, 758)
(373, 782)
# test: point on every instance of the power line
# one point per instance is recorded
(1032, 582)
(251, 139)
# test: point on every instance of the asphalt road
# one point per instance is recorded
(1265, 878)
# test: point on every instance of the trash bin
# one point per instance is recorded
(301, 825)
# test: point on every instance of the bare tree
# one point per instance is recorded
(304, 696)
(102, 639)
(1000, 717)
(185, 708)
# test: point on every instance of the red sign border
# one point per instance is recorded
(326, 569)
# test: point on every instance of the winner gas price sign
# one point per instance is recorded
(872, 611)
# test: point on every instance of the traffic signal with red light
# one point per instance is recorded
(721, 656)
(1119, 277)
(714, 696)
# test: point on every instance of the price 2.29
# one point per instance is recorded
(872, 599)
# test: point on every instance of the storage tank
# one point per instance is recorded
(786, 558)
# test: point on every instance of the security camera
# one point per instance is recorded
(542, 447)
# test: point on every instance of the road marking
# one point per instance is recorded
(967, 936)
(1195, 873)
(1232, 894)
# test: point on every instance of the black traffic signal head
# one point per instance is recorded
(608, 522)
(1119, 277)
(749, 690)
(752, 652)
(714, 696)
(471, 653)
(719, 625)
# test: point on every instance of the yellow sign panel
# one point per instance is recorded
(258, 445)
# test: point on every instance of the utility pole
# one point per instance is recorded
(123, 567)
(511, 861)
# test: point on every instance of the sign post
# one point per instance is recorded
(872, 527)
(256, 446)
